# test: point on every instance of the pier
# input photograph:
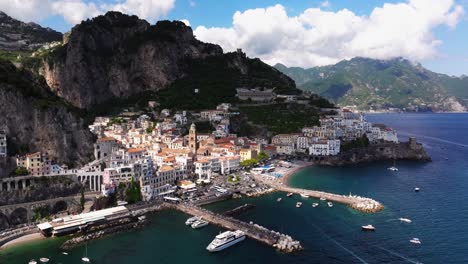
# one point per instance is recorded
(359, 203)
(272, 238)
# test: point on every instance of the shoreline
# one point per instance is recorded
(287, 175)
(23, 240)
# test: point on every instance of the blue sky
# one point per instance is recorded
(212, 20)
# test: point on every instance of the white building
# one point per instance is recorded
(229, 164)
(325, 148)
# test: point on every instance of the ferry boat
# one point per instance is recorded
(192, 220)
(279, 199)
(406, 220)
(44, 260)
(289, 194)
(330, 204)
(298, 204)
(225, 240)
(322, 199)
(303, 195)
(199, 224)
(368, 228)
(32, 261)
(315, 204)
(415, 240)
(416, 189)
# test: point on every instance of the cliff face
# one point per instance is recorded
(37, 120)
(381, 152)
(116, 55)
(19, 36)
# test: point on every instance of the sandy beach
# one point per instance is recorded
(288, 172)
(23, 239)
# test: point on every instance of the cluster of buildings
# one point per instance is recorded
(3, 144)
(162, 156)
(326, 139)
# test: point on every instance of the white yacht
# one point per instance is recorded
(406, 220)
(330, 204)
(44, 260)
(199, 224)
(192, 220)
(315, 204)
(415, 240)
(225, 240)
(368, 228)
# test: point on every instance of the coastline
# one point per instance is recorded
(23, 240)
(287, 175)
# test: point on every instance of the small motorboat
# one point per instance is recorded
(303, 195)
(393, 168)
(315, 204)
(415, 240)
(192, 220)
(406, 220)
(417, 189)
(85, 259)
(298, 204)
(279, 199)
(199, 224)
(368, 228)
(142, 218)
(32, 261)
(44, 260)
(330, 204)
(322, 199)
(65, 253)
(289, 194)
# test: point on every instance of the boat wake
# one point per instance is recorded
(398, 255)
(435, 139)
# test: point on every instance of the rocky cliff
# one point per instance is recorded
(381, 152)
(116, 56)
(19, 36)
(37, 120)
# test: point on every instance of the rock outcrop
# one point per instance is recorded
(37, 120)
(116, 56)
(19, 36)
(410, 150)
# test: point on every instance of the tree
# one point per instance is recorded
(249, 162)
(21, 171)
(262, 156)
(133, 192)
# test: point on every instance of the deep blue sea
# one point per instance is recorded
(329, 235)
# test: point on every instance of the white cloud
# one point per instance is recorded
(74, 11)
(186, 22)
(317, 37)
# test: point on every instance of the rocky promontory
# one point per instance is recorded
(410, 150)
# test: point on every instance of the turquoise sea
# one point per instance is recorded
(329, 235)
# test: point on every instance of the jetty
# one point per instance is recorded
(362, 204)
(272, 238)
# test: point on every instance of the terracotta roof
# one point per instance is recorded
(134, 150)
(165, 168)
(106, 139)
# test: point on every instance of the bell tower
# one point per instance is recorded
(193, 139)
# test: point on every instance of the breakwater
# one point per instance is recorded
(239, 210)
(254, 231)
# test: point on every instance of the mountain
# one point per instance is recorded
(35, 119)
(383, 84)
(117, 56)
(19, 36)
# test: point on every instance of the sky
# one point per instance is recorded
(303, 33)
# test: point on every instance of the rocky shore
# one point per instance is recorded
(410, 150)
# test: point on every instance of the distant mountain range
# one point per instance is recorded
(19, 36)
(383, 84)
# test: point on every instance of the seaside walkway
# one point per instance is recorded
(359, 203)
(272, 238)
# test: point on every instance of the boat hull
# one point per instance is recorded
(233, 242)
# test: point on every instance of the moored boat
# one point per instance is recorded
(368, 228)
(32, 261)
(322, 199)
(393, 168)
(298, 204)
(199, 224)
(85, 259)
(315, 204)
(44, 260)
(289, 194)
(279, 199)
(65, 253)
(415, 240)
(330, 204)
(303, 195)
(192, 220)
(225, 240)
(416, 189)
